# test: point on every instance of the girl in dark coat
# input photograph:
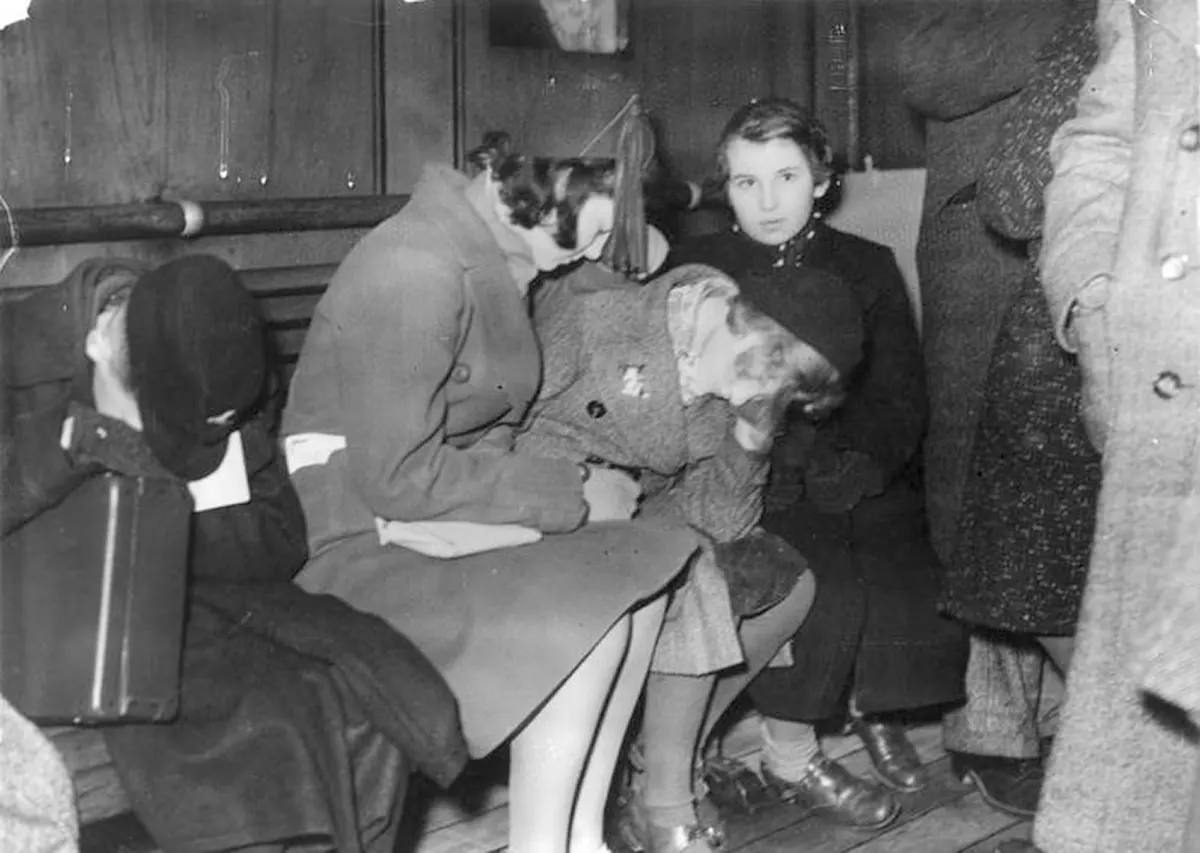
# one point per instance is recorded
(845, 492)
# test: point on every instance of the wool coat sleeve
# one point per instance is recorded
(1091, 158)
(395, 358)
(720, 495)
(962, 57)
(1085, 200)
(263, 539)
(885, 414)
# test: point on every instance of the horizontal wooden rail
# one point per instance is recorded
(51, 226)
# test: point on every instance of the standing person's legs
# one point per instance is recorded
(550, 753)
(993, 738)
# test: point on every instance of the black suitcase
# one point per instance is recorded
(92, 597)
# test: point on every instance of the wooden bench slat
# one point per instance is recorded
(288, 311)
(283, 280)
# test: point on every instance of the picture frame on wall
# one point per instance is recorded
(577, 26)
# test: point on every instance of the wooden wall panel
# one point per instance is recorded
(694, 62)
(105, 101)
(701, 59)
(271, 98)
(790, 48)
(419, 101)
(888, 130)
(82, 102)
(552, 102)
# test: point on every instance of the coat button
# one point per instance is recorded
(1189, 140)
(1168, 384)
(460, 372)
(596, 409)
(1174, 267)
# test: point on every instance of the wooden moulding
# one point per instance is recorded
(53, 226)
(48, 226)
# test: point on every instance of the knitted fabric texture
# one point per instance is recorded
(1015, 175)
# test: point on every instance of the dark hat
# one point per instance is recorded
(815, 306)
(197, 360)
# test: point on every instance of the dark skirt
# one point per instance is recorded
(1029, 508)
(505, 628)
(874, 630)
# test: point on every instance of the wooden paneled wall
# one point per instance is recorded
(109, 101)
(693, 61)
(124, 100)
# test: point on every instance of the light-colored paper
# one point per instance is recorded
(310, 448)
(226, 486)
(447, 539)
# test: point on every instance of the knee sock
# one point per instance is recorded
(788, 747)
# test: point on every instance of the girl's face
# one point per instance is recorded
(594, 225)
(771, 188)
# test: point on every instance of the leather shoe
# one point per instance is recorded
(1011, 785)
(635, 833)
(829, 788)
(893, 757)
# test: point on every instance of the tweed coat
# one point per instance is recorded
(874, 620)
(1119, 266)
(1030, 503)
(422, 357)
(611, 391)
(959, 68)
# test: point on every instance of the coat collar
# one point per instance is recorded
(462, 208)
(802, 250)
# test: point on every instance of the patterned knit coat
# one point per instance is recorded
(1028, 508)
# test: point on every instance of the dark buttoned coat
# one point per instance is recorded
(874, 621)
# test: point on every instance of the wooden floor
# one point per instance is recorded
(947, 817)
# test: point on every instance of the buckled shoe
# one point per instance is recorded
(636, 834)
(828, 788)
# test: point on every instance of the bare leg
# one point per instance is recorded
(1060, 650)
(762, 637)
(548, 756)
(587, 825)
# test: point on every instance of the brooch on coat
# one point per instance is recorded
(633, 383)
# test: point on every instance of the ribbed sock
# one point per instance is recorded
(788, 747)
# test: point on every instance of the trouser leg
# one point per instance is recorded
(1003, 683)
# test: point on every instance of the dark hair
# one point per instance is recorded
(765, 119)
(534, 188)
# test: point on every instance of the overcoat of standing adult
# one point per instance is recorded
(1121, 269)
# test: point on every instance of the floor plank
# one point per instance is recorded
(947, 829)
(946, 817)
(1022, 829)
